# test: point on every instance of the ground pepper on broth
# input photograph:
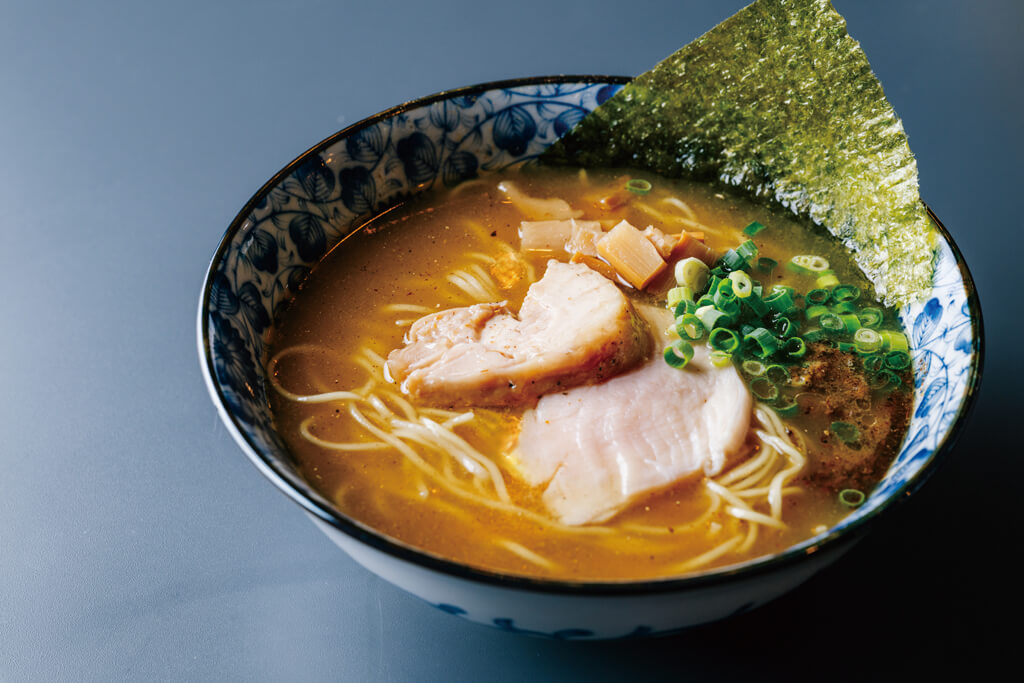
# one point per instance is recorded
(460, 246)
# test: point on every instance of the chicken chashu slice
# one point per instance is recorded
(597, 449)
(574, 327)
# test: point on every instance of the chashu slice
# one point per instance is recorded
(596, 449)
(574, 327)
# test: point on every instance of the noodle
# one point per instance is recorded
(760, 482)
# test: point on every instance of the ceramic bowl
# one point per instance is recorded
(321, 196)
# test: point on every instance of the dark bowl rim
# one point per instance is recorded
(428, 561)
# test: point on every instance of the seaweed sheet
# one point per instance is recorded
(779, 101)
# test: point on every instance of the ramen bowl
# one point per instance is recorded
(327, 192)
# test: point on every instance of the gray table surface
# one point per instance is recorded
(138, 543)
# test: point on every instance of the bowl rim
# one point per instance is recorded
(431, 562)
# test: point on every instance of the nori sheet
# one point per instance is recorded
(778, 101)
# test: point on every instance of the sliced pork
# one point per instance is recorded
(574, 327)
(595, 449)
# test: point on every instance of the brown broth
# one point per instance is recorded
(401, 257)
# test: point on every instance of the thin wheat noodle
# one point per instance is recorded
(682, 206)
(708, 557)
(526, 554)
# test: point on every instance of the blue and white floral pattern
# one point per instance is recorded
(440, 141)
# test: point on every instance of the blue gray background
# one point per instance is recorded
(137, 542)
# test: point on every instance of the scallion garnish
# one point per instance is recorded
(731, 260)
(753, 229)
(795, 347)
(753, 368)
(693, 273)
(894, 341)
(830, 321)
(638, 186)
(897, 360)
(808, 264)
(679, 354)
(720, 359)
(724, 339)
(742, 286)
(846, 432)
(786, 407)
(872, 363)
(689, 327)
(845, 293)
(777, 373)
(764, 389)
(760, 342)
(866, 340)
(870, 317)
(851, 497)
(747, 250)
(711, 317)
(766, 265)
(817, 296)
(827, 280)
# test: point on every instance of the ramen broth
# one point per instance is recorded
(358, 303)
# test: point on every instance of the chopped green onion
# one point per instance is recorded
(870, 317)
(897, 360)
(815, 311)
(693, 273)
(760, 343)
(845, 307)
(748, 250)
(756, 304)
(685, 306)
(711, 317)
(706, 300)
(780, 301)
(689, 327)
(808, 264)
(725, 298)
(724, 339)
(795, 347)
(850, 322)
(817, 296)
(846, 347)
(866, 340)
(846, 432)
(785, 327)
(731, 260)
(831, 321)
(872, 363)
(766, 265)
(638, 186)
(720, 359)
(885, 379)
(786, 407)
(679, 354)
(763, 389)
(776, 373)
(845, 293)
(741, 284)
(753, 368)
(894, 341)
(811, 336)
(753, 229)
(827, 280)
(851, 498)
(678, 294)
